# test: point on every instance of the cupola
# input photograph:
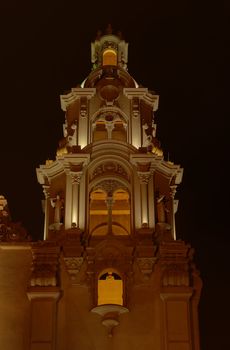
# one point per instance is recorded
(109, 50)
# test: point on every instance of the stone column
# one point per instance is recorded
(109, 128)
(46, 192)
(109, 202)
(76, 177)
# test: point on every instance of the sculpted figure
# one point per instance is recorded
(162, 210)
(57, 203)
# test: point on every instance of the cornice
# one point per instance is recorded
(75, 94)
(144, 94)
(157, 163)
(60, 165)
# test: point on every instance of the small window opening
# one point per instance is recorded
(110, 289)
(109, 57)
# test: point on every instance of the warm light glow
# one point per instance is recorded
(109, 57)
(99, 213)
(110, 289)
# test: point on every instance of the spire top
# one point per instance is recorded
(109, 29)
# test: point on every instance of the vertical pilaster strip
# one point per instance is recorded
(137, 202)
(144, 179)
(76, 177)
(43, 318)
(68, 200)
(46, 192)
(151, 209)
(82, 203)
(43, 293)
(136, 130)
(109, 202)
(177, 319)
(176, 291)
(83, 122)
(172, 195)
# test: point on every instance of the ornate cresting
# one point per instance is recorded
(10, 231)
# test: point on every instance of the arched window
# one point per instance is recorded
(100, 131)
(98, 223)
(121, 213)
(119, 131)
(109, 57)
(110, 288)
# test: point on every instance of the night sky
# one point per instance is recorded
(180, 50)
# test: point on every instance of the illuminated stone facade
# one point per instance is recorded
(110, 272)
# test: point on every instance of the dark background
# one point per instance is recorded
(180, 49)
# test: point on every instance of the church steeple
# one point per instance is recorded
(110, 205)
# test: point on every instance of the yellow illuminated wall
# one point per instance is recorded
(110, 289)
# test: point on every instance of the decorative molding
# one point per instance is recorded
(76, 176)
(109, 167)
(73, 266)
(174, 261)
(144, 176)
(13, 232)
(144, 94)
(44, 267)
(109, 253)
(110, 315)
(146, 265)
(75, 94)
(109, 186)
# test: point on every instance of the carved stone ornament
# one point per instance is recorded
(175, 264)
(144, 176)
(110, 186)
(110, 168)
(76, 177)
(44, 267)
(146, 265)
(13, 232)
(110, 315)
(10, 231)
(73, 265)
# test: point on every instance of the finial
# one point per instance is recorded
(109, 29)
(120, 35)
(98, 35)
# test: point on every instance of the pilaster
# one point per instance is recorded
(176, 293)
(43, 293)
(46, 191)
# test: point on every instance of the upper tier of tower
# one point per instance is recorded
(109, 104)
(109, 154)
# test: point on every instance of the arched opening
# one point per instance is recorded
(100, 131)
(121, 213)
(109, 57)
(119, 131)
(98, 222)
(110, 288)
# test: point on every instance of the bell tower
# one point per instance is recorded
(116, 276)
